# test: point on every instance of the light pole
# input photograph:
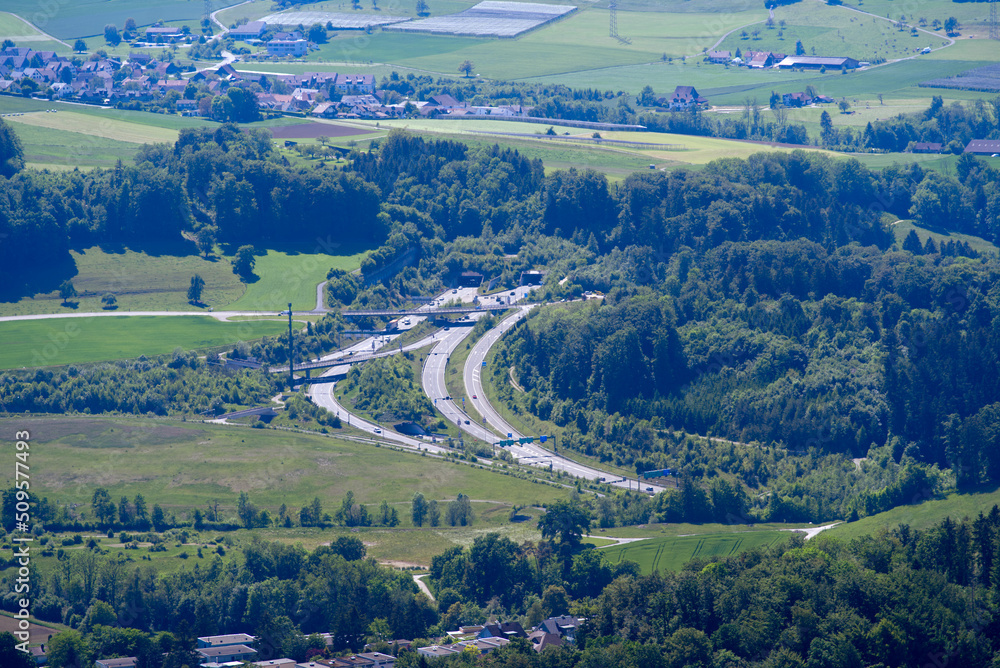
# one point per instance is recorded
(291, 351)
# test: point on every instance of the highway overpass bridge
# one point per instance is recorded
(426, 312)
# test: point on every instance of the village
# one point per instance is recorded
(144, 82)
(238, 649)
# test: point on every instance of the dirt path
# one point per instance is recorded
(617, 541)
(815, 531)
(419, 579)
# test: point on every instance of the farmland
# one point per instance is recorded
(87, 18)
(291, 274)
(95, 339)
(158, 279)
(672, 552)
(827, 30)
(922, 515)
(24, 33)
(184, 465)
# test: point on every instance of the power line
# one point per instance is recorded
(613, 31)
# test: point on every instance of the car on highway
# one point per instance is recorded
(649, 489)
(466, 422)
(377, 430)
(474, 396)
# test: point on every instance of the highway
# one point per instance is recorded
(323, 395)
(530, 453)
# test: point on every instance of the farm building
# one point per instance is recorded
(818, 62)
(761, 59)
(983, 146)
(251, 30)
(718, 56)
(164, 34)
(928, 147)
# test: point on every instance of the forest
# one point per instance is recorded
(903, 597)
(760, 328)
(764, 302)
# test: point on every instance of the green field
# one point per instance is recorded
(921, 516)
(158, 280)
(58, 341)
(671, 553)
(142, 281)
(23, 34)
(291, 275)
(186, 465)
(87, 18)
(576, 43)
(46, 148)
(902, 228)
(88, 124)
(73, 139)
(972, 15)
(832, 31)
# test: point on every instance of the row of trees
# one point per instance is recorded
(890, 599)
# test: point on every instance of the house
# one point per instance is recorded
(287, 47)
(287, 36)
(927, 147)
(325, 109)
(125, 662)
(506, 629)
(164, 70)
(795, 99)
(541, 640)
(445, 102)
(379, 660)
(564, 626)
(226, 640)
(758, 59)
(360, 83)
(353, 661)
(62, 89)
(275, 101)
(483, 645)
(718, 56)
(436, 651)
(226, 653)
(355, 100)
(275, 663)
(983, 146)
(251, 30)
(818, 62)
(685, 97)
